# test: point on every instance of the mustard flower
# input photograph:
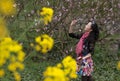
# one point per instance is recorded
(69, 65)
(118, 65)
(17, 76)
(47, 14)
(7, 7)
(44, 43)
(54, 74)
(2, 73)
(63, 71)
(3, 29)
(11, 57)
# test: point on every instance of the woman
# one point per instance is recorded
(85, 48)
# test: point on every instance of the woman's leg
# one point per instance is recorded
(84, 78)
(90, 78)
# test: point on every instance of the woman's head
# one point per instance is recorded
(88, 27)
(93, 28)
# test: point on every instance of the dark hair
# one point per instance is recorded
(95, 30)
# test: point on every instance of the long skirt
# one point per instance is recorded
(86, 67)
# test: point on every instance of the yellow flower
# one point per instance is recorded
(47, 41)
(38, 39)
(15, 48)
(15, 65)
(3, 29)
(44, 43)
(48, 79)
(19, 65)
(62, 72)
(21, 56)
(67, 71)
(7, 7)
(38, 48)
(12, 67)
(13, 58)
(47, 14)
(73, 75)
(69, 65)
(56, 74)
(7, 40)
(17, 76)
(59, 65)
(118, 65)
(70, 61)
(2, 73)
(2, 61)
(5, 54)
(44, 51)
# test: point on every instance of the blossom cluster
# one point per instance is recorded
(62, 71)
(11, 57)
(43, 43)
(7, 7)
(47, 14)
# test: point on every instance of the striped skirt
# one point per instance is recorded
(85, 67)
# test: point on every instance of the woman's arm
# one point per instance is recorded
(88, 55)
(71, 26)
(71, 34)
(84, 57)
(74, 35)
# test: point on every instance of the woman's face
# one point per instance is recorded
(88, 27)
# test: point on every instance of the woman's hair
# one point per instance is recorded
(95, 30)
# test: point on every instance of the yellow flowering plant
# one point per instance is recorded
(3, 29)
(54, 74)
(7, 7)
(62, 71)
(118, 65)
(47, 14)
(43, 43)
(11, 54)
(11, 57)
(69, 65)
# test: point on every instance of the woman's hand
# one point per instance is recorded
(73, 22)
(79, 58)
(71, 26)
(88, 55)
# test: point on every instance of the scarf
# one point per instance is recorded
(79, 46)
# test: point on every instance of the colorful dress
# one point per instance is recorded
(86, 67)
